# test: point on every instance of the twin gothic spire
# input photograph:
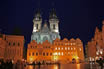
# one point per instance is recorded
(52, 14)
(53, 21)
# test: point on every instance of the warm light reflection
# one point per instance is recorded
(78, 66)
(55, 66)
(31, 59)
(55, 58)
(30, 67)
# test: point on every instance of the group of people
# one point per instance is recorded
(6, 65)
(9, 65)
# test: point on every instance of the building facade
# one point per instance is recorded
(96, 44)
(46, 45)
(11, 47)
(59, 51)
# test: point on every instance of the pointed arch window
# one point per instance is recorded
(54, 26)
(36, 26)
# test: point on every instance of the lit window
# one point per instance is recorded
(55, 53)
(80, 49)
(56, 48)
(97, 53)
(71, 48)
(74, 48)
(65, 48)
(59, 48)
(68, 48)
(71, 44)
(101, 52)
(62, 53)
(59, 53)
(62, 48)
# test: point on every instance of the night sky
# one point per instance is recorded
(78, 18)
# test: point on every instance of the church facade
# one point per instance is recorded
(42, 32)
(46, 45)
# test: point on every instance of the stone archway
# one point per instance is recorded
(45, 38)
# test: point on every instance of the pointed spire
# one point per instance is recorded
(96, 30)
(53, 14)
(38, 15)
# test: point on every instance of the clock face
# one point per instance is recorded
(53, 37)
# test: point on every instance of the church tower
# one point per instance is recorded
(37, 21)
(53, 20)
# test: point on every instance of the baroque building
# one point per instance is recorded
(96, 44)
(46, 44)
(11, 47)
(64, 51)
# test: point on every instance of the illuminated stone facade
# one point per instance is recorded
(59, 51)
(42, 32)
(11, 47)
(46, 45)
(96, 45)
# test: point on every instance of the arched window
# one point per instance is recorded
(54, 26)
(18, 44)
(36, 54)
(33, 54)
(43, 54)
(36, 26)
(14, 44)
(9, 43)
(50, 54)
(47, 53)
(45, 38)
